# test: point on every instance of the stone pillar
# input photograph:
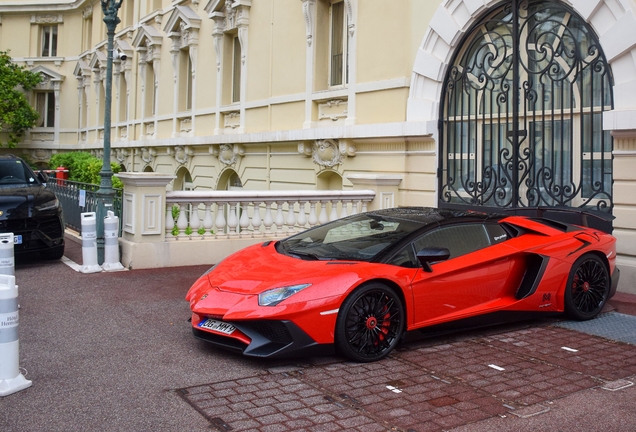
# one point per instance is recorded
(625, 207)
(384, 185)
(143, 218)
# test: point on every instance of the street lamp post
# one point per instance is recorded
(106, 194)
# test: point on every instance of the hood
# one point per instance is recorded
(21, 202)
(259, 268)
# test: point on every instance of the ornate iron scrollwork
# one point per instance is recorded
(522, 113)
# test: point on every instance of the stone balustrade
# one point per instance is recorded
(241, 213)
(162, 228)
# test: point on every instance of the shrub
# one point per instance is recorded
(84, 167)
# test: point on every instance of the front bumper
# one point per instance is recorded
(37, 234)
(267, 339)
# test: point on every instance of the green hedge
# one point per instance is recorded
(83, 167)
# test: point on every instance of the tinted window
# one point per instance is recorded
(459, 239)
(361, 238)
(13, 172)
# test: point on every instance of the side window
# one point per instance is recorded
(459, 239)
(405, 258)
(496, 233)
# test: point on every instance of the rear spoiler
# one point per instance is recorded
(575, 216)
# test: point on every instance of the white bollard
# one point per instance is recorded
(7, 260)
(11, 380)
(111, 243)
(89, 244)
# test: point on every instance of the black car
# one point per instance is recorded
(29, 210)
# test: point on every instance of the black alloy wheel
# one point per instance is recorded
(370, 323)
(587, 288)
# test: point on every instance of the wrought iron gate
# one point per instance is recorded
(521, 114)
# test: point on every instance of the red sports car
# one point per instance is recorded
(359, 283)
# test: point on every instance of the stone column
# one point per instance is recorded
(384, 185)
(625, 207)
(143, 218)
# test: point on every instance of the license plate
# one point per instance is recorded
(218, 326)
(17, 239)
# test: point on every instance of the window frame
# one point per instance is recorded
(48, 40)
(46, 109)
(338, 70)
(236, 69)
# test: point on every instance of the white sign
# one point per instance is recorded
(82, 198)
(8, 320)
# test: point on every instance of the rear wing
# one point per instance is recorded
(575, 216)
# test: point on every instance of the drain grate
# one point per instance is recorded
(611, 325)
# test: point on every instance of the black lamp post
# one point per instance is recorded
(106, 194)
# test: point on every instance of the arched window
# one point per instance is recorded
(522, 113)
(183, 181)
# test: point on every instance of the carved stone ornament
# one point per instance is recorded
(230, 15)
(147, 154)
(40, 154)
(305, 149)
(326, 153)
(121, 155)
(229, 154)
(182, 154)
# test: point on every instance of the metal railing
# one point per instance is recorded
(77, 198)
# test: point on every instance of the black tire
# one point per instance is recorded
(587, 288)
(370, 323)
(53, 253)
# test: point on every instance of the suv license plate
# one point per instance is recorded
(218, 326)
(17, 239)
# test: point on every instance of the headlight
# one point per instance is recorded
(274, 296)
(49, 205)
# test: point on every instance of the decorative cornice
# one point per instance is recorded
(47, 19)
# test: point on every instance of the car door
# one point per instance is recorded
(481, 274)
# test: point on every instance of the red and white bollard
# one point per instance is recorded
(11, 380)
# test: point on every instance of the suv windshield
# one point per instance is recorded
(360, 238)
(14, 172)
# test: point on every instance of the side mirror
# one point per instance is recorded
(430, 255)
(42, 176)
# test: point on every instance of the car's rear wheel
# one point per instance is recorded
(53, 253)
(370, 323)
(587, 288)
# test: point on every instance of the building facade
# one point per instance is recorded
(490, 104)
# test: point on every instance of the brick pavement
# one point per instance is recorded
(429, 385)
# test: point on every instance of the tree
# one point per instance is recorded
(16, 115)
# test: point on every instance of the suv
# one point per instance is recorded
(29, 210)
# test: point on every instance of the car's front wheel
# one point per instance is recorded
(53, 253)
(370, 323)
(587, 288)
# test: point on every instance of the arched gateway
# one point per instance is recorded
(521, 112)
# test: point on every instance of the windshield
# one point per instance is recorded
(14, 172)
(359, 238)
